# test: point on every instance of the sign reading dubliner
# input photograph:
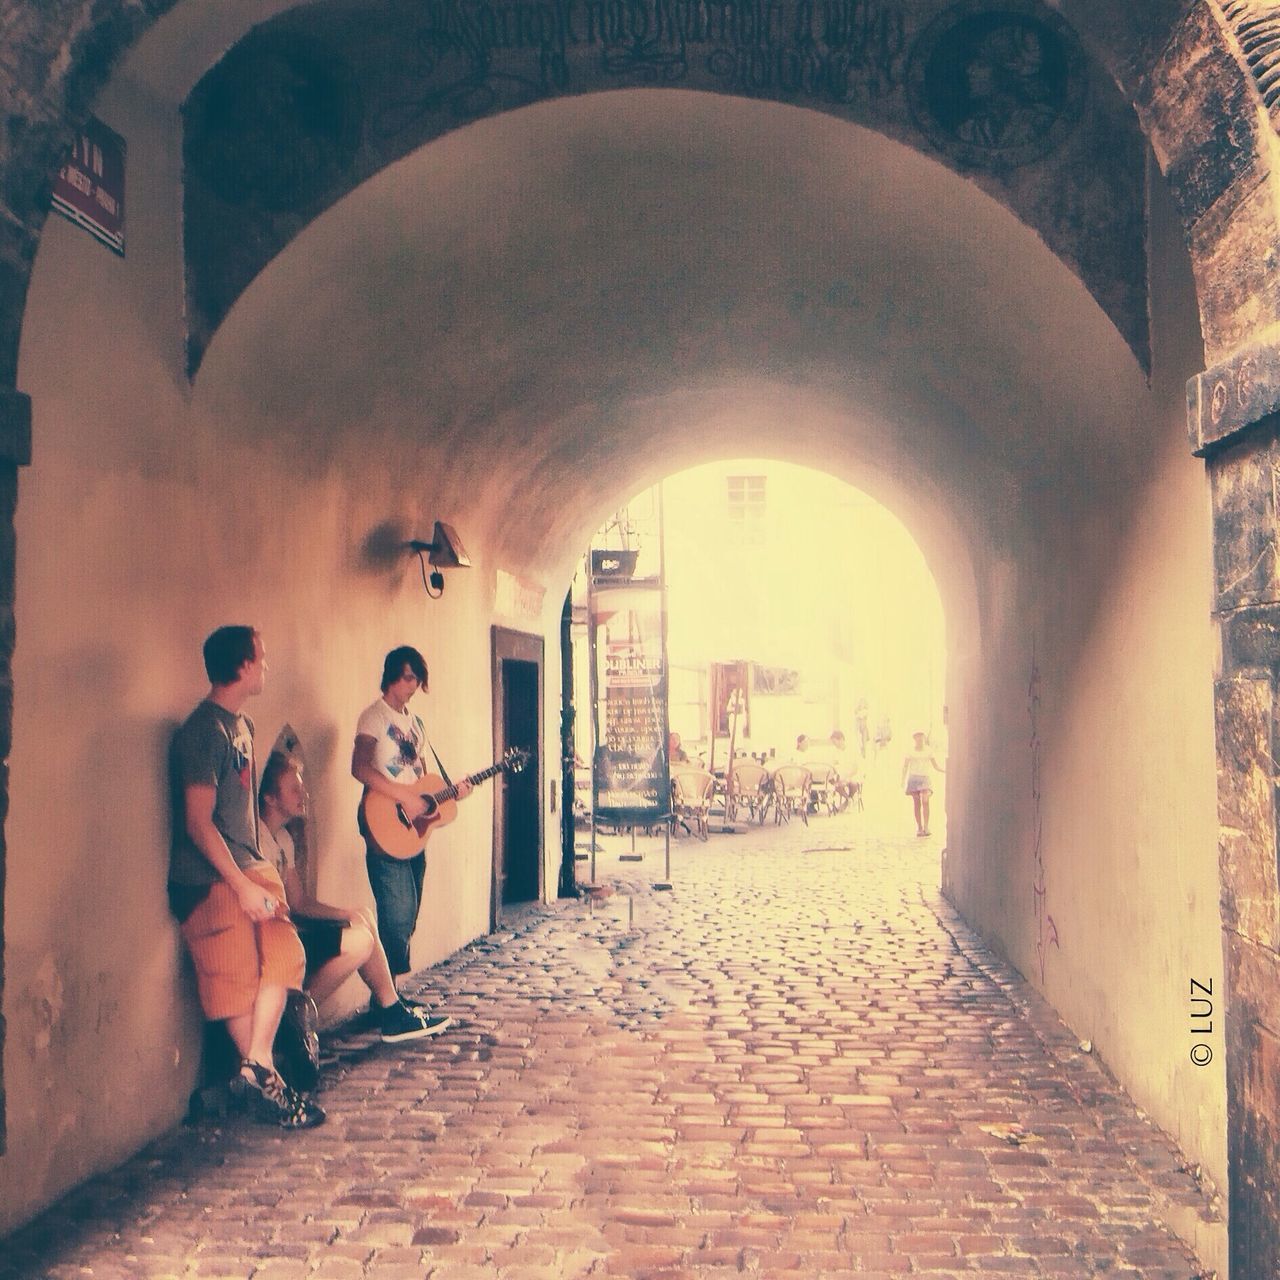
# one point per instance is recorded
(90, 187)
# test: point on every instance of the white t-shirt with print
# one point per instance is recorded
(399, 738)
(277, 848)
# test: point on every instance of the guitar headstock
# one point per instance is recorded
(514, 759)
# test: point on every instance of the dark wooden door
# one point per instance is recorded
(517, 697)
(521, 836)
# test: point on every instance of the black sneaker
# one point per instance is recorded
(399, 1022)
(374, 1010)
(271, 1101)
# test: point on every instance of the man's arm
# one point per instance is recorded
(198, 801)
(409, 798)
(364, 771)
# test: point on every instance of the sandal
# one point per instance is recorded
(272, 1101)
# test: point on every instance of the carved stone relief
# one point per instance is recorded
(1256, 25)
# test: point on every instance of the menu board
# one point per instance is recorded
(629, 776)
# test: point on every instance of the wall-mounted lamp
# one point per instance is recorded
(444, 551)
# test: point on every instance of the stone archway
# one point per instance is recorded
(1209, 132)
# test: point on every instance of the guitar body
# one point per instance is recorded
(395, 835)
(383, 821)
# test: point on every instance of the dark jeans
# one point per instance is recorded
(397, 891)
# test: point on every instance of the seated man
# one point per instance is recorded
(338, 941)
(848, 783)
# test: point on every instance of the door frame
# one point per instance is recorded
(519, 646)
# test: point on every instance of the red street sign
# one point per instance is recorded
(90, 188)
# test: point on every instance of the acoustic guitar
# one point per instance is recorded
(384, 821)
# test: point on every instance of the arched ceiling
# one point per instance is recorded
(306, 105)
(546, 310)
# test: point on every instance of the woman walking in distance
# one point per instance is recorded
(917, 779)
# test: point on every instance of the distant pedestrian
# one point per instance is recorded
(860, 714)
(884, 733)
(917, 779)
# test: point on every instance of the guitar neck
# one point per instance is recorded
(451, 792)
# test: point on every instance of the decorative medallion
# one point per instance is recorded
(275, 123)
(996, 88)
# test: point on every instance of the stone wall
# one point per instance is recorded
(1243, 468)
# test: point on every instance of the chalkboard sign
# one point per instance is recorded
(613, 564)
(630, 777)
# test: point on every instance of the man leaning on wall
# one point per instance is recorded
(228, 899)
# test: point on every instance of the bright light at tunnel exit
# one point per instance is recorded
(815, 584)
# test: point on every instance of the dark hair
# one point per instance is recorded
(396, 661)
(226, 651)
(278, 764)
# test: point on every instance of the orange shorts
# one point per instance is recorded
(233, 956)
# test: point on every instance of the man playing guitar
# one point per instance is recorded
(387, 759)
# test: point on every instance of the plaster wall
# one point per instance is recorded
(1129, 791)
(1098, 865)
(145, 524)
(1130, 764)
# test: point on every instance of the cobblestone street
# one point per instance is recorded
(796, 1063)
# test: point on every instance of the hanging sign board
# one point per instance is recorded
(89, 189)
(630, 778)
(613, 564)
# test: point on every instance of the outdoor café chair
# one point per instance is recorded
(791, 792)
(747, 792)
(691, 792)
(850, 793)
(824, 789)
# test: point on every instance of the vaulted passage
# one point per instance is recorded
(975, 284)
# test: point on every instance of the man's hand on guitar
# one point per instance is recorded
(402, 832)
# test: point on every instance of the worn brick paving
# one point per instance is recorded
(797, 1063)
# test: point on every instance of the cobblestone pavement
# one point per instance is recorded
(796, 1063)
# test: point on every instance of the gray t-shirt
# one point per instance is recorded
(214, 748)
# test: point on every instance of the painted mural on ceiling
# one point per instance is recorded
(312, 103)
